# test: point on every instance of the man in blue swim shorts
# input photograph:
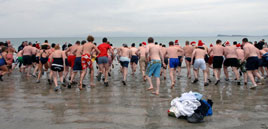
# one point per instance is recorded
(154, 55)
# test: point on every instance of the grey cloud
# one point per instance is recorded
(42, 18)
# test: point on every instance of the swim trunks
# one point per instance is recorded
(77, 64)
(217, 61)
(142, 63)
(71, 59)
(27, 60)
(233, 62)
(57, 65)
(188, 59)
(86, 61)
(134, 59)
(252, 63)
(124, 61)
(200, 63)
(173, 62)
(179, 57)
(166, 63)
(154, 68)
(206, 58)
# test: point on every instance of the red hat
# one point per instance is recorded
(176, 41)
(227, 43)
(211, 45)
(193, 42)
(238, 45)
(200, 43)
(144, 43)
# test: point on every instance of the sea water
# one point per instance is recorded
(118, 41)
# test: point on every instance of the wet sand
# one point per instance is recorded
(27, 105)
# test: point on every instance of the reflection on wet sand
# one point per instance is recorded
(24, 104)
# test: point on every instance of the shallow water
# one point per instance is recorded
(27, 105)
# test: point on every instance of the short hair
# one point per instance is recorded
(4, 48)
(187, 42)
(83, 42)
(111, 44)
(77, 42)
(140, 45)
(53, 45)
(57, 47)
(30, 43)
(104, 40)
(160, 44)
(150, 40)
(69, 45)
(90, 38)
(46, 41)
(34, 45)
(245, 40)
(171, 43)
(95, 44)
(1, 44)
(234, 43)
(164, 45)
(218, 41)
(133, 45)
(156, 43)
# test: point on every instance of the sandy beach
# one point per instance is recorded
(27, 105)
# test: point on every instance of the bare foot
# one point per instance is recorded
(80, 86)
(92, 85)
(156, 93)
(151, 88)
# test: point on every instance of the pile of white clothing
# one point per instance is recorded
(186, 104)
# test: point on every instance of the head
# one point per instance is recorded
(187, 43)
(95, 44)
(218, 42)
(125, 45)
(104, 40)
(171, 43)
(193, 43)
(34, 45)
(244, 40)
(69, 45)
(30, 44)
(53, 45)
(156, 43)
(46, 41)
(77, 42)
(140, 44)
(164, 45)
(150, 40)
(57, 47)
(133, 45)
(160, 44)
(90, 38)
(111, 44)
(4, 49)
(83, 42)
(234, 43)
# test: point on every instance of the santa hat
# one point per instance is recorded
(227, 43)
(238, 45)
(176, 41)
(200, 43)
(211, 45)
(144, 43)
(193, 43)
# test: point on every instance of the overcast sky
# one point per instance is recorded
(45, 18)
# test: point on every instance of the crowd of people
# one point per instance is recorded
(247, 60)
